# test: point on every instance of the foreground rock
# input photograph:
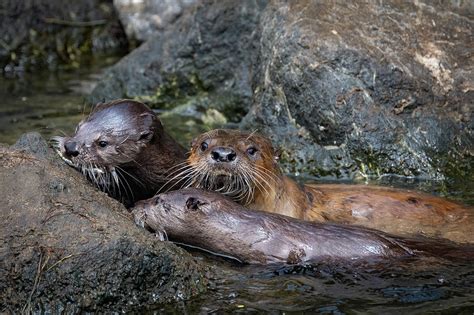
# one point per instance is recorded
(344, 89)
(66, 246)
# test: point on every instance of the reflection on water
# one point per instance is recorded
(49, 103)
(53, 104)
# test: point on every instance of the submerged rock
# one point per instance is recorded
(66, 246)
(344, 89)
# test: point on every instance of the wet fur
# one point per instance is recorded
(262, 186)
(210, 221)
(135, 163)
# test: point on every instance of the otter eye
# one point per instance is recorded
(204, 146)
(252, 151)
(103, 144)
(192, 203)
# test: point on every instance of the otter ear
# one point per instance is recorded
(194, 204)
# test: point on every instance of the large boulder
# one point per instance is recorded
(369, 88)
(202, 59)
(67, 247)
(343, 89)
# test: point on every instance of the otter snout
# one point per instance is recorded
(71, 148)
(223, 154)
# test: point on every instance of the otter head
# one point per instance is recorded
(176, 212)
(234, 163)
(111, 137)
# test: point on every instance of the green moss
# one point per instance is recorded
(178, 90)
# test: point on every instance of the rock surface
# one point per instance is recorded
(49, 33)
(66, 246)
(144, 18)
(343, 89)
(202, 59)
(375, 88)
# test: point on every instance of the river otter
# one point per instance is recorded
(212, 222)
(244, 167)
(123, 149)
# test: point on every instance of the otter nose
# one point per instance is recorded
(71, 148)
(223, 154)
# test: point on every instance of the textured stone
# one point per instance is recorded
(66, 246)
(344, 89)
(144, 18)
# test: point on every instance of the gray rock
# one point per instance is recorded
(34, 144)
(66, 246)
(205, 57)
(368, 88)
(144, 18)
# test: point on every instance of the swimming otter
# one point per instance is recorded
(244, 167)
(212, 222)
(123, 149)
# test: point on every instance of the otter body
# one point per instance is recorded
(123, 149)
(244, 167)
(215, 223)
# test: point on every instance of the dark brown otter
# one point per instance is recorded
(244, 167)
(123, 149)
(210, 221)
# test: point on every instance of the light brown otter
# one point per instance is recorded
(244, 167)
(212, 222)
(123, 149)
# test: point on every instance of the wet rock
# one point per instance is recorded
(202, 59)
(343, 89)
(369, 88)
(144, 18)
(49, 33)
(66, 246)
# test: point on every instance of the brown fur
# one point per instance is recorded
(215, 223)
(391, 210)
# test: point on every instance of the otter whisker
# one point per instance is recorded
(257, 174)
(171, 170)
(123, 179)
(182, 173)
(175, 174)
(131, 176)
(251, 134)
(268, 173)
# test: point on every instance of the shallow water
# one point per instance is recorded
(53, 104)
(401, 287)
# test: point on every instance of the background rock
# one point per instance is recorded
(203, 60)
(144, 18)
(39, 34)
(66, 246)
(366, 87)
(343, 89)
